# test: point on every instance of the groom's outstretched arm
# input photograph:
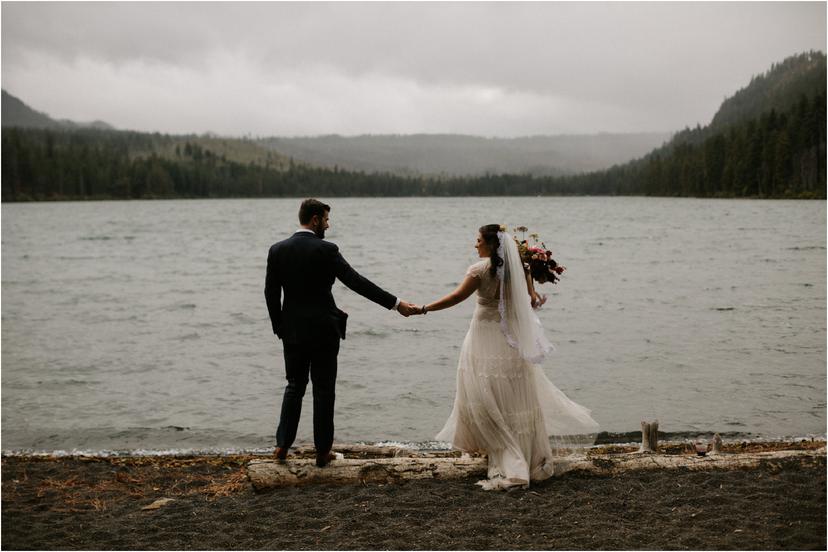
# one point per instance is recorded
(360, 284)
(273, 293)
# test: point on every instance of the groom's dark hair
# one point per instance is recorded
(311, 207)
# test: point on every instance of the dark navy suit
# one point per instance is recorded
(310, 326)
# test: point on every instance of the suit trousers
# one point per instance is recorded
(318, 361)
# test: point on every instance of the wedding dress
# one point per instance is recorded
(505, 406)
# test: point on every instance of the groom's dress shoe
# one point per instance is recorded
(324, 459)
(280, 454)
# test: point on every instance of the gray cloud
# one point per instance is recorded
(484, 68)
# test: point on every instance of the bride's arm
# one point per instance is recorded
(468, 286)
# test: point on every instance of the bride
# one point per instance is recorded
(505, 406)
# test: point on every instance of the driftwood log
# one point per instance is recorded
(357, 450)
(269, 473)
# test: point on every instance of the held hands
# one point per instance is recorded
(407, 309)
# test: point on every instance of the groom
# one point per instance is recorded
(309, 323)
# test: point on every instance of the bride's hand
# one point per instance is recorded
(537, 300)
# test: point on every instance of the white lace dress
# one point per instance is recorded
(506, 407)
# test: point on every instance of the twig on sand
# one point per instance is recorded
(562, 510)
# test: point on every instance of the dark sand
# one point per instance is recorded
(96, 504)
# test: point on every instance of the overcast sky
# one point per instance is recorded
(492, 69)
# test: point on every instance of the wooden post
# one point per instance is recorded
(645, 437)
(649, 437)
(717, 444)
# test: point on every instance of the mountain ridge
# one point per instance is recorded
(777, 88)
(16, 113)
(468, 155)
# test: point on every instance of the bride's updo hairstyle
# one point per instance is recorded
(489, 235)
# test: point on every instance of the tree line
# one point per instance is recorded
(776, 155)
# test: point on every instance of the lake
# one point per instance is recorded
(142, 325)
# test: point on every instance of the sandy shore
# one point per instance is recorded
(96, 503)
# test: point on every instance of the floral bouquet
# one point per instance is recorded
(537, 259)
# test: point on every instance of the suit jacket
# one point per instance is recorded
(305, 266)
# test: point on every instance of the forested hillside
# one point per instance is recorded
(768, 140)
(90, 163)
(780, 88)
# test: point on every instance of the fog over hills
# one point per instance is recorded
(462, 155)
(426, 154)
(15, 113)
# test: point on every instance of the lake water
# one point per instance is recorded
(142, 324)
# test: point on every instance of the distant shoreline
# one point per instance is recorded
(68, 199)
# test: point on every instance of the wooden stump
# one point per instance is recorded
(717, 444)
(649, 437)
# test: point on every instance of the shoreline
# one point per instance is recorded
(98, 503)
(615, 440)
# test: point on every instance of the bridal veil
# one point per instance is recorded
(518, 321)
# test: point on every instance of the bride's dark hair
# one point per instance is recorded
(489, 235)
